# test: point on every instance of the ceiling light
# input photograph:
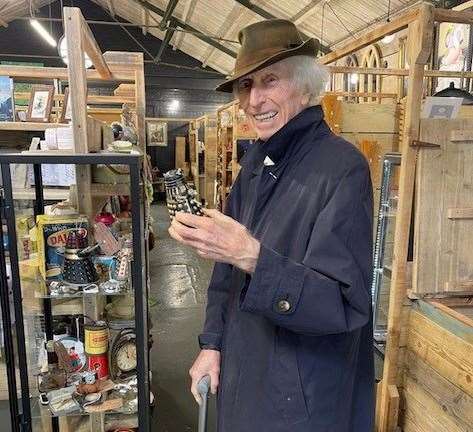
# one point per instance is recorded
(63, 53)
(174, 105)
(388, 39)
(43, 32)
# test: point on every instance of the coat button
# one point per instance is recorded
(284, 306)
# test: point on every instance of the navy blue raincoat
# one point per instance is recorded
(296, 335)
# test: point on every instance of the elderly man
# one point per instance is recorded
(287, 338)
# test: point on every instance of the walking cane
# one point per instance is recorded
(203, 387)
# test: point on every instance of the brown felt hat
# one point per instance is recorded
(265, 43)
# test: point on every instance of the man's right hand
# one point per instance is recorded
(206, 363)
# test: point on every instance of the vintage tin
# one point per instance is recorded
(99, 365)
(95, 339)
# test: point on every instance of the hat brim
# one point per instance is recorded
(309, 48)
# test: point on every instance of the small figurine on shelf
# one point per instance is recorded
(180, 196)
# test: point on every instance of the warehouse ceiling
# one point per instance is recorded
(207, 29)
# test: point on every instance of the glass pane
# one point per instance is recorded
(384, 245)
(78, 299)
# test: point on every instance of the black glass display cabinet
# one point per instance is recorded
(57, 337)
(384, 245)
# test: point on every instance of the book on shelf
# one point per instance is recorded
(7, 106)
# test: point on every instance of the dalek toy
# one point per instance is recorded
(180, 197)
(78, 266)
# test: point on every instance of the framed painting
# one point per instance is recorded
(41, 102)
(453, 41)
(157, 133)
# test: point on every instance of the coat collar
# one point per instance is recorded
(277, 145)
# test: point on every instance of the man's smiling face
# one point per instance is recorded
(270, 98)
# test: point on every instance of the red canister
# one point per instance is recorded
(99, 364)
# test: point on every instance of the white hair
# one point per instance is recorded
(308, 76)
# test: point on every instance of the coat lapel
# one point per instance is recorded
(251, 197)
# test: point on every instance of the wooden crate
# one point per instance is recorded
(443, 231)
(437, 385)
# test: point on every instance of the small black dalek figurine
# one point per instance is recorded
(179, 195)
(78, 266)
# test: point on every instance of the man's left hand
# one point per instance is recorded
(217, 237)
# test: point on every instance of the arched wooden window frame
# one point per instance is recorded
(348, 86)
(371, 83)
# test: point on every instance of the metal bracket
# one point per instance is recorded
(425, 144)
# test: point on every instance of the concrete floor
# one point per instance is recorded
(179, 280)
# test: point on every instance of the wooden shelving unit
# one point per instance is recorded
(203, 156)
(232, 126)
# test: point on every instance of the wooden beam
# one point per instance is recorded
(111, 8)
(302, 14)
(62, 74)
(196, 33)
(372, 36)
(420, 40)
(73, 23)
(28, 126)
(144, 29)
(396, 72)
(168, 14)
(92, 49)
(140, 104)
(165, 42)
(362, 94)
(454, 16)
(460, 213)
(109, 100)
(91, 99)
(393, 406)
(188, 11)
(168, 119)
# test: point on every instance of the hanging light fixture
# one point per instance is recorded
(388, 38)
(43, 32)
(62, 48)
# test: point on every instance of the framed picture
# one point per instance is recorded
(41, 102)
(157, 133)
(66, 113)
(7, 105)
(453, 41)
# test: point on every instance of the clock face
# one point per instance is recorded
(126, 357)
